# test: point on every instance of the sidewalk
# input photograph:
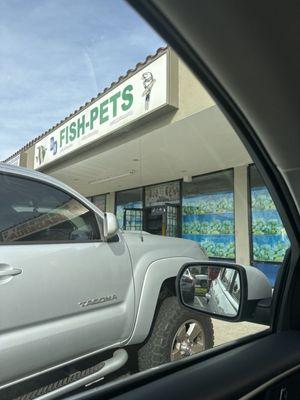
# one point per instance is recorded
(227, 331)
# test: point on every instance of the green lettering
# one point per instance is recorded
(81, 126)
(103, 110)
(93, 116)
(73, 131)
(61, 137)
(127, 97)
(67, 134)
(114, 100)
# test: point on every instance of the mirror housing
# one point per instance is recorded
(110, 226)
(223, 290)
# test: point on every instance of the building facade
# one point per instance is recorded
(155, 149)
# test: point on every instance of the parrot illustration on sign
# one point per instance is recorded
(41, 152)
(148, 82)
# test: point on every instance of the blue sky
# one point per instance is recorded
(57, 54)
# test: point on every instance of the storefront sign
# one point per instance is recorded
(136, 97)
(164, 193)
(14, 161)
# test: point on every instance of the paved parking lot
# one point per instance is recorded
(227, 331)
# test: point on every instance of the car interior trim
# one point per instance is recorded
(270, 383)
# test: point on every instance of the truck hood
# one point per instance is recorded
(149, 248)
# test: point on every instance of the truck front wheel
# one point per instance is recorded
(176, 333)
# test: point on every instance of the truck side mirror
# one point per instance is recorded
(110, 226)
(222, 290)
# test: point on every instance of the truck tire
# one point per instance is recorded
(176, 333)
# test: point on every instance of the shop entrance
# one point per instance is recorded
(155, 209)
(133, 219)
(162, 220)
(158, 220)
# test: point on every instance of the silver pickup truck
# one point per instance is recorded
(74, 287)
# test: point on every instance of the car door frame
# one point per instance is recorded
(150, 383)
(274, 181)
(47, 181)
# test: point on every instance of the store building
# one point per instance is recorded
(155, 149)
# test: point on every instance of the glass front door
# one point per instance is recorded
(133, 219)
(171, 220)
(162, 220)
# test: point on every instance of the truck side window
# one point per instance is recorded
(31, 211)
(227, 277)
(235, 289)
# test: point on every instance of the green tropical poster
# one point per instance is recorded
(209, 220)
(269, 238)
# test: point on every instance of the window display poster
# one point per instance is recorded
(269, 238)
(209, 220)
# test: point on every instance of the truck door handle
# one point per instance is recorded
(10, 272)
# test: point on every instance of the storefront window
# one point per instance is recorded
(269, 239)
(129, 204)
(208, 213)
(100, 201)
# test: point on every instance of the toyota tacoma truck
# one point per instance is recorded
(81, 297)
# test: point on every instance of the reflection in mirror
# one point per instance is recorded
(213, 289)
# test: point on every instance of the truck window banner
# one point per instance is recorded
(67, 211)
(209, 220)
(269, 238)
(140, 94)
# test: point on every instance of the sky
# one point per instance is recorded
(55, 55)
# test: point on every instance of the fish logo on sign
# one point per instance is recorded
(53, 145)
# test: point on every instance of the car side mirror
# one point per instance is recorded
(110, 226)
(222, 289)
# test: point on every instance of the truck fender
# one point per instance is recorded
(157, 272)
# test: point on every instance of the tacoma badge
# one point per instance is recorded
(97, 300)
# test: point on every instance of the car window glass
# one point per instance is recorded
(227, 277)
(235, 288)
(31, 211)
(99, 201)
(90, 95)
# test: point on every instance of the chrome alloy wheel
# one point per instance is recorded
(188, 340)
